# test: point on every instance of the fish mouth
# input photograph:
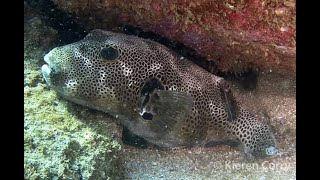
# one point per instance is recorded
(47, 69)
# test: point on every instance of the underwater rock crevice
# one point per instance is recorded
(236, 35)
(68, 29)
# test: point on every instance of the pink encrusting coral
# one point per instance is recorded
(236, 34)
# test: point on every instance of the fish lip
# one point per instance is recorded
(47, 57)
(47, 69)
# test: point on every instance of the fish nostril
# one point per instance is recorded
(53, 71)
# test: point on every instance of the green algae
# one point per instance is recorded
(58, 143)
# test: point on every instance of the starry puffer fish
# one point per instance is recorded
(154, 92)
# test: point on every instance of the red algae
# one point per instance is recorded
(236, 34)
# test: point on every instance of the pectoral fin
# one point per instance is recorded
(165, 108)
(231, 105)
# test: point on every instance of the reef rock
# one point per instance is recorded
(61, 141)
(236, 35)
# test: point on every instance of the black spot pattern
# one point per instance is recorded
(141, 65)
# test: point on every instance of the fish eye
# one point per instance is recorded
(109, 53)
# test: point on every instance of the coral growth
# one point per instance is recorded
(237, 35)
(58, 143)
(59, 146)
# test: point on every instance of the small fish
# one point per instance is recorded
(154, 92)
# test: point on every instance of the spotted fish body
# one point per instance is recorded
(154, 92)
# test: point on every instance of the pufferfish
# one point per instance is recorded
(156, 93)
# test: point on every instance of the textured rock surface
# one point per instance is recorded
(61, 142)
(237, 35)
(64, 141)
(57, 145)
